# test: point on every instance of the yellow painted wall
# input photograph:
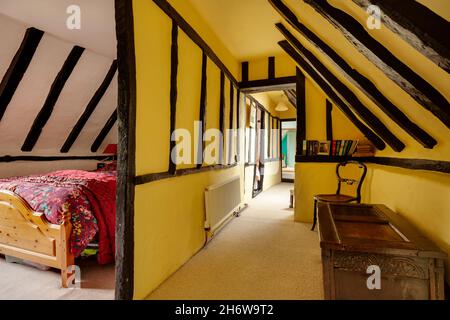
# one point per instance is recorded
(169, 214)
(422, 197)
(258, 67)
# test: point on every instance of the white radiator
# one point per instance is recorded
(221, 201)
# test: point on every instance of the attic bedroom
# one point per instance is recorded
(225, 150)
(58, 145)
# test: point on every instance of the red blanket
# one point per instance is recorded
(88, 199)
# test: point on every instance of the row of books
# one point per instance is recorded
(329, 148)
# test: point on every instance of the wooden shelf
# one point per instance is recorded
(328, 159)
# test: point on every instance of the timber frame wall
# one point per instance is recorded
(126, 115)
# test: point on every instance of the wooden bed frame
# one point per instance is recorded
(28, 235)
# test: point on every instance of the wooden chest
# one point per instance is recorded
(370, 252)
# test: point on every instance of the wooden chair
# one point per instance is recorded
(338, 197)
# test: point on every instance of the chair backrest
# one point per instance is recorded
(358, 182)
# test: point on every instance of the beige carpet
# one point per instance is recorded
(20, 282)
(263, 254)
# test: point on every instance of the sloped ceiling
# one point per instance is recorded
(51, 53)
(251, 32)
(97, 31)
(244, 26)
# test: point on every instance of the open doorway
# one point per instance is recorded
(267, 110)
(288, 149)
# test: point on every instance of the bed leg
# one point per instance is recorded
(67, 273)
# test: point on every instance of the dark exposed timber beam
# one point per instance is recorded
(7, 159)
(292, 96)
(222, 115)
(271, 68)
(173, 92)
(18, 67)
(230, 125)
(412, 83)
(244, 71)
(423, 29)
(300, 102)
(194, 36)
(355, 104)
(202, 117)
(363, 83)
(330, 92)
(104, 132)
(254, 86)
(52, 98)
(412, 164)
(89, 108)
(329, 120)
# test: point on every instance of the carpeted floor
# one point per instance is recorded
(263, 254)
(20, 282)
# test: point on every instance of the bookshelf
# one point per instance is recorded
(334, 151)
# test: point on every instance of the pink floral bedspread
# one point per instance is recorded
(88, 199)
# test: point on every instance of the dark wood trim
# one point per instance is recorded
(300, 91)
(271, 68)
(352, 100)
(222, 115)
(346, 94)
(291, 94)
(255, 86)
(104, 132)
(364, 84)
(148, 178)
(194, 36)
(412, 83)
(244, 71)
(52, 98)
(329, 120)
(286, 180)
(230, 125)
(18, 67)
(424, 30)
(89, 108)
(413, 164)
(239, 125)
(6, 159)
(173, 93)
(126, 111)
(379, 144)
(202, 116)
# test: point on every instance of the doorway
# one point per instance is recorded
(288, 149)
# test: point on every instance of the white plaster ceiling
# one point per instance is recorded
(32, 91)
(97, 31)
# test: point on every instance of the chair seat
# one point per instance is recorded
(334, 198)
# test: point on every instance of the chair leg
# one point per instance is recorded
(315, 215)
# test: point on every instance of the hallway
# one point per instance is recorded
(263, 254)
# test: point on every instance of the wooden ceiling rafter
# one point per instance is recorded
(408, 80)
(90, 108)
(18, 67)
(368, 88)
(104, 132)
(346, 94)
(331, 93)
(53, 95)
(424, 30)
(291, 95)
